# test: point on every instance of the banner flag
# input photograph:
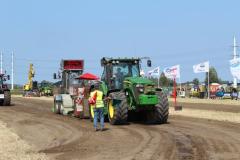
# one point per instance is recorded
(154, 72)
(235, 68)
(202, 67)
(172, 72)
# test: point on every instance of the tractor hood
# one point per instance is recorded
(139, 80)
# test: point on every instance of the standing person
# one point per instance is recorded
(96, 101)
(119, 77)
(234, 94)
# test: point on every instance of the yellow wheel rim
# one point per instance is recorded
(92, 112)
(111, 109)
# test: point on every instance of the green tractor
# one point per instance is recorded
(46, 88)
(131, 96)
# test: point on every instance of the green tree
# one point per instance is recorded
(196, 81)
(213, 76)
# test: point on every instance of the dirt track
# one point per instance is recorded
(62, 137)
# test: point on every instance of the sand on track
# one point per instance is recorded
(12, 147)
(64, 137)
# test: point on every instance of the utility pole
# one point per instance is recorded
(235, 56)
(12, 71)
(208, 85)
(1, 70)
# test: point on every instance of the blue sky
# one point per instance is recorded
(171, 32)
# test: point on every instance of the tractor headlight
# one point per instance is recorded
(140, 88)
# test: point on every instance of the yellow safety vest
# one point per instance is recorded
(99, 99)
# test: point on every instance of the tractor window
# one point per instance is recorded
(72, 78)
(126, 70)
(104, 74)
(135, 71)
(120, 70)
(123, 70)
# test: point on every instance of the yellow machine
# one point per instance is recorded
(31, 88)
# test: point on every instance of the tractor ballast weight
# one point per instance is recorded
(5, 94)
(132, 96)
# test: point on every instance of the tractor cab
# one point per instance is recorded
(117, 70)
(3, 78)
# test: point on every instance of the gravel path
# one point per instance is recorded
(14, 148)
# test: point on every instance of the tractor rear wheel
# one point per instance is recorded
(118, 113)
(7, 98)
(160, 111)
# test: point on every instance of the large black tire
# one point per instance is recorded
(159, 114)
(118, 114)
(7, 98)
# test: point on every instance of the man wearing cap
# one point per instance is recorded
(96, 101)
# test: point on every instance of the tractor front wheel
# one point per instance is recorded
(160, 112)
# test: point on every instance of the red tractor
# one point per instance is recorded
(5, 94)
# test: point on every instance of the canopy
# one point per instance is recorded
(88, 76)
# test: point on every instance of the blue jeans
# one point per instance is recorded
(98, 114)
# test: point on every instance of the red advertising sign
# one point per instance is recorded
(73, 64)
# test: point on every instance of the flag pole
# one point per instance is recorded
(180, 83)
(12, 86)
(1, 63)
(174, 91)
(158, 77)
(208, 86)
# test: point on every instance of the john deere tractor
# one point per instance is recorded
(131, 96)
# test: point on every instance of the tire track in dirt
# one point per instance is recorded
(64, 137)
(218, 139)
(169, 144)
(42, 133)
(70, 148)
(191, 140)
(33, 124)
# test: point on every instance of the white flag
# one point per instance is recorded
(202, 67)
(235, 68)
(172, 72)
(154, 72)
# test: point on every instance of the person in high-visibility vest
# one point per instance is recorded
(96, 101)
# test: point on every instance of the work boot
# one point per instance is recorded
(95, 129)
